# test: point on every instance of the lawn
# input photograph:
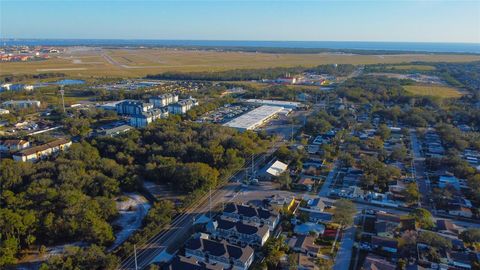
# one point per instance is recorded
(433, 90)
(140, 62)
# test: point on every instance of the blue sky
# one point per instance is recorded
(321, 20)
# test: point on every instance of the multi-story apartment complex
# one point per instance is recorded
(252, 214)
(239, 232)
(145, 118)
(163, 100)
(182, 106)
(132, 107)
(220, 253)
(21, 104)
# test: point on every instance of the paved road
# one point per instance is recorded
(344, 255)
(420, 172)
(325, 190)
(181, 225)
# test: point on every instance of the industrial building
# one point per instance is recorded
(277, 103)
(254, 118)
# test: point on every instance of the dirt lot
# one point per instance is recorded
(98, 62)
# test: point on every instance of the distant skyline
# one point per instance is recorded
(322, 20)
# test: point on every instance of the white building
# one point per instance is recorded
(145, 118)
(276, 103)
(21, 104)
(182, 106)
(254, 118)
(163, 100)
(13, 145)
(3, 111)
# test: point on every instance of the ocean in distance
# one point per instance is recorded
(332, 45)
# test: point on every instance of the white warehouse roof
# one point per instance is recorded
(281, 103)
(277, 168)
(254, 118)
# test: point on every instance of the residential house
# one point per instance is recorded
(280, 202)
(373, 262)
(449, 180)
(220, 253)
(457, 210)
(446, 226)
(304, 244)
(305, 183)
(252, 214)
(38, 152)
(306, 263)
(239, 232)
(13, 145)
(384, 243)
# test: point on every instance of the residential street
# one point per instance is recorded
(342, 260)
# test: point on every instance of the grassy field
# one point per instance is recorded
(412, 67)
(96, 62)
(433, 90)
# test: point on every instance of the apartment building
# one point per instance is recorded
(220, 253)
(132, 107)
(13, 145)
(163, 100)
(182, 106)
(252, 214)
(21, 104)
(239, 232)
(42, 151)
(145, 118)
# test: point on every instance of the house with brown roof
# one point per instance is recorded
(373, 262)
(304, 244)
(13, 145)
(305, 183)
(446, 226)
(42, 151)
(181, 262)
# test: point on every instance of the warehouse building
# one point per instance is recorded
(277, 103)
(254, 118)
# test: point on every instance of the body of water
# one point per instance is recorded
(331, 45)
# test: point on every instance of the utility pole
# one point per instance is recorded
(62, 92)
(210, 201)
(135, 252)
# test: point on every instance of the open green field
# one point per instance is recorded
(433, 90)
(98, 62)
(412, 67)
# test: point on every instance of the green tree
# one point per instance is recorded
(423, 217)
(344, 212)
(285, 180)
(383, 131)
(411, 193)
